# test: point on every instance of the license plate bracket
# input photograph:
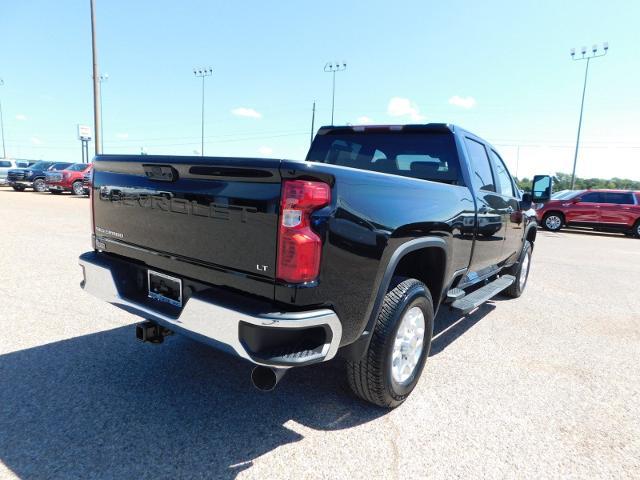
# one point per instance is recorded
(164, 288)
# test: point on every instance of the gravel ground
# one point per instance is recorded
(539, 387)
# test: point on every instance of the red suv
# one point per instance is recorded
(69, 179)
(616, 210)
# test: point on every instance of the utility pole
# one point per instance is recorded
(203, 73)
(102, 79)
(4, 152)
(313, 120)
(594, 54)
(333, 68)
(97, 115)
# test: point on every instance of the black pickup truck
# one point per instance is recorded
(286, 264)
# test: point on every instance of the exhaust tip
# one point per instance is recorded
(265, 379)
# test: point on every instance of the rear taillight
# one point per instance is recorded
(299, 247)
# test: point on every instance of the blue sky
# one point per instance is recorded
(500, 69)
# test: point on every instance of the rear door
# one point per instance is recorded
(618, 209)
(491, 209)
(586, 209)
(213, 212)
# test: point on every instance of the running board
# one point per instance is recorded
(475, 299)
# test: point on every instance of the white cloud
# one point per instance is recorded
(265, 150)
(36, 141)
(122, 135)
(364, 120)
(463, 102)
(401, 107)
(246, 112)
(21, 116)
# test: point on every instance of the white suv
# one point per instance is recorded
(6, 165)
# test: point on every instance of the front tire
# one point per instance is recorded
(77, 188)
(552, 221)
(636, 229)
(521, 272)
(400, 343)
(18, 189)
(39, 185)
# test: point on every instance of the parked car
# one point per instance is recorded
(607, 210)
(7, 164)
(289, 263)
(68, 180)
(33, 177)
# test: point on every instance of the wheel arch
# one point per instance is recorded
(406, 261)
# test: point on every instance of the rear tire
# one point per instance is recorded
(552, 221)
(521, 271)
(391, 367)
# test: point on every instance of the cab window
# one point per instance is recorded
(480, 168)
(505, 186)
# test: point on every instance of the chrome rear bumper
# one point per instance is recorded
(219, 325)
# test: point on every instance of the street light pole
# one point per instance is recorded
(333, 68)
(102, 79)
(4, 152)
(96, 84)
(585, 56)
(203, 73)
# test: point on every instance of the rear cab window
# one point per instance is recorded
(416, 154)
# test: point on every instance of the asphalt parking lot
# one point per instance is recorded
(543, 386)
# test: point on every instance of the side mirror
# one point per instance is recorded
(541, 188)
(526, 201)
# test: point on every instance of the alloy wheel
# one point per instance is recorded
(553, 222)
(524, 271)
(408, 345)
(39, 185)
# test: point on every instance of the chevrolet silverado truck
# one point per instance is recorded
(283, 263)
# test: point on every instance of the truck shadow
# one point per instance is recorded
(104, 405)
(450, 325)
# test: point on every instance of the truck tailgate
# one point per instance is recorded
(220, 212)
